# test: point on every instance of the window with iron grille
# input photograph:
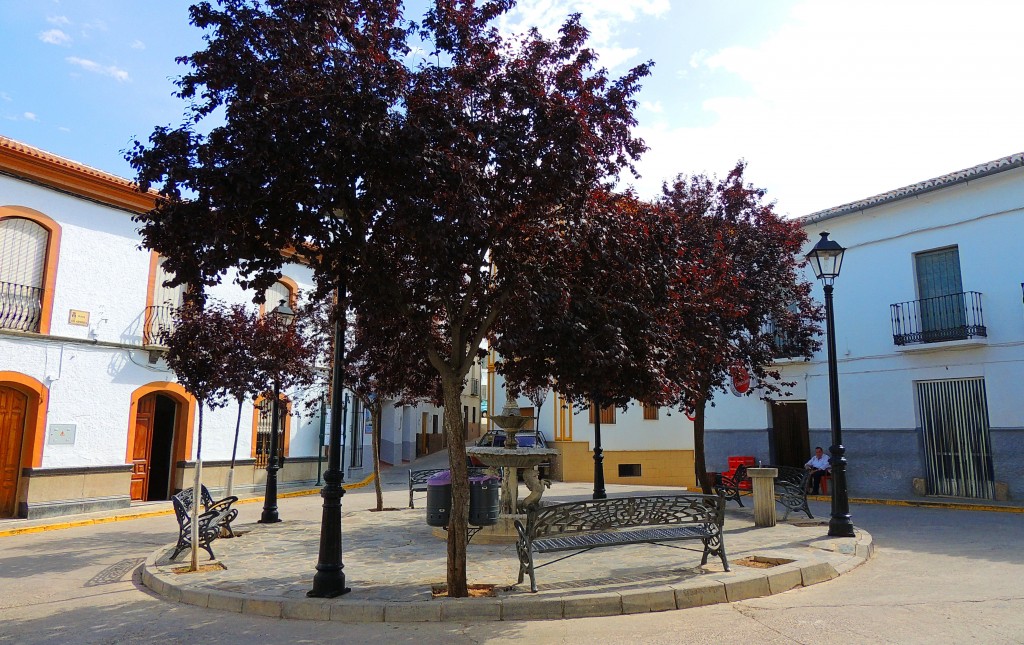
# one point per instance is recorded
(23, 248)
(650, 412)
(160, 315)
(261, 445)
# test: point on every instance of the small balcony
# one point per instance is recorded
(157, 321)
(785, 344)
(955, 316)
(21, 307)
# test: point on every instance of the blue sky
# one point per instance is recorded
(827, 101)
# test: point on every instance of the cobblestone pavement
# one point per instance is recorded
(393, 558)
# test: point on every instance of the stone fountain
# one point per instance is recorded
(512, 459)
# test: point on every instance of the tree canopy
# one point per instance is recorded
(401, 179)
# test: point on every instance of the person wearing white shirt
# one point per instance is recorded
(819, 467)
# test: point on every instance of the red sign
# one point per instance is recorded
(740, 380)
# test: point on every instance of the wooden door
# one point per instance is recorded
(13, 406)
(142, 447)
(790, 437)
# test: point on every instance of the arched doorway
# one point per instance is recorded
(13, 410)
(159, 436)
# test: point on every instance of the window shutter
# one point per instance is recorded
(22, 252)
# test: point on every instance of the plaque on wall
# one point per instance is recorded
(62, 434)
(80, 318)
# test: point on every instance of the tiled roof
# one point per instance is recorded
(976, 172)
(28, 162)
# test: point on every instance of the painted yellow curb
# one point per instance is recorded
(70, 524)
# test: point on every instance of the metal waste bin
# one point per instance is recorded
(483, 500)
(439, 498)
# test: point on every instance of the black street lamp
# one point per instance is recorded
(329, 580)
(283, 315)
(599, 491)
(826, 258)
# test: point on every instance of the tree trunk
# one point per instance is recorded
(459, 522)
(700, 467)
(234, 451)
(197, 498)
(375, 418)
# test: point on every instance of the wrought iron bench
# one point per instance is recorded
(732, 487)
(215, 517)
(592, 524)
(791, 489)
(418, 479)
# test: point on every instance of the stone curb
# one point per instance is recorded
(722, 587)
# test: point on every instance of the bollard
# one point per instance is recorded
(763, 480)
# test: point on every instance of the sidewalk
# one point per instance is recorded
(392, 560)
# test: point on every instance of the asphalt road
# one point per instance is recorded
(938, 576)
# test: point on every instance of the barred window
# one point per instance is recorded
(23, 248)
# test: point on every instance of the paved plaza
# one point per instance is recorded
(936, 576)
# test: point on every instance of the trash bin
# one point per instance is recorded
(439, 498)
(483, 500)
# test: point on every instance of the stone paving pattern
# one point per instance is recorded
(392, 559)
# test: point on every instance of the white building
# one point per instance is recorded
(90, 416)
(930, 344)
(641, 445)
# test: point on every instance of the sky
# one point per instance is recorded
(827, 101)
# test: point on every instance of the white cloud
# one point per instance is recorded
(6, 97)
(96, 68)
(55, 37)
(64, 128)
(846, 101)
(655, 107)
(58, 20)
(602, 17)
(30, 116)
(138, 44)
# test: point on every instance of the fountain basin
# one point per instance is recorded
(497, 457)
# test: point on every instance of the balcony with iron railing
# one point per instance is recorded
(954, 316)
(21, 307)
(786, 346)
(157, 322)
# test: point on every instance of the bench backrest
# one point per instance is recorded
(625, 512)
(421, 476)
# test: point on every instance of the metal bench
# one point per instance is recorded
(418, 479)
(592, 524)
(732, 487)
(791, 489)
(216, 516)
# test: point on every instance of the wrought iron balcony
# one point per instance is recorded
(21, 307)
(157, 322)
(955, 316)
(785, 345)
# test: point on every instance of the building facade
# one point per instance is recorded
(930, 346)
(642, 445)
(90, 416)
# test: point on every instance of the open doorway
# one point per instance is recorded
(789, 441)
(153, 447)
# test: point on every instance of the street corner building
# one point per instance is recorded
(929, 317)
(91, 418)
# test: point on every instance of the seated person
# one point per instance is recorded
(819, 467)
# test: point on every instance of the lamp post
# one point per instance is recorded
(599, 491)
(826, 258)
(329, 580)
(281, 314)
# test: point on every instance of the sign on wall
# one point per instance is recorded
(80, 318)
(61, 434)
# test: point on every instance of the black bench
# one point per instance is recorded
(215, 517)
(595, 523)
(418, 479)
(791, 489)
(734, 486)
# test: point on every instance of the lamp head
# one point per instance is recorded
(826, 259)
